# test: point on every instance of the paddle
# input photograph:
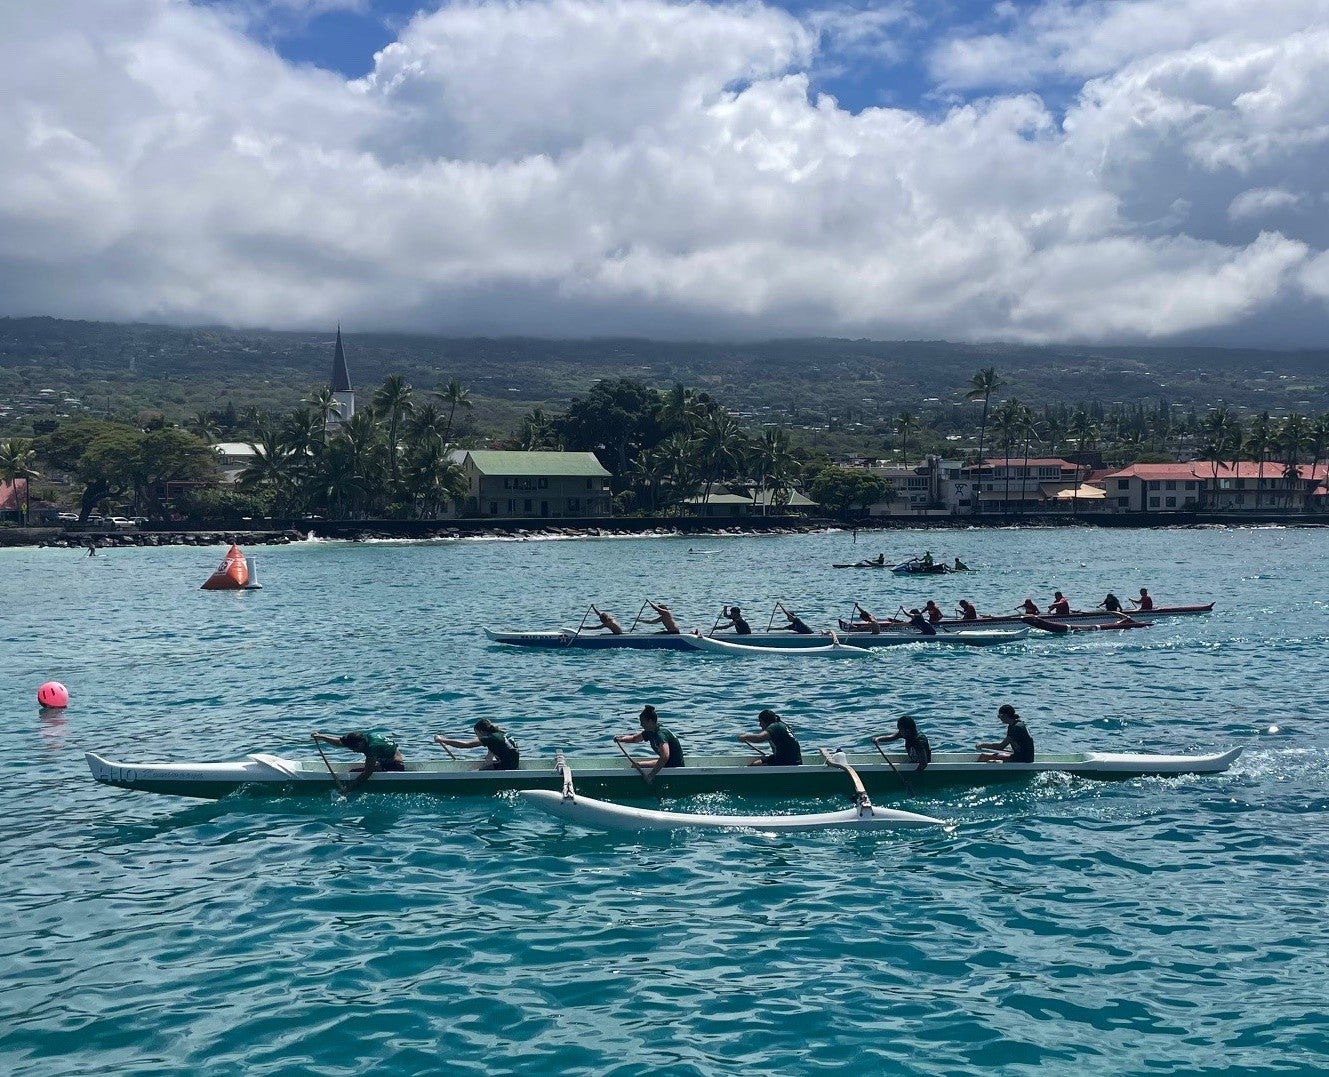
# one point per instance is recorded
(580, 626)
(635, 765)
(777, 606)
(907, 787)
(639, 613)
(439, 742)
(724, 610)
(336, 781)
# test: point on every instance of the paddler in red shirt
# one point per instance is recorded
(1144, 602)
(1061, 605)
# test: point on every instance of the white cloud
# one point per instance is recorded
(588, 166)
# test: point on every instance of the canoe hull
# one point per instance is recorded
(567, 639)
(599, 815)
(607, 776)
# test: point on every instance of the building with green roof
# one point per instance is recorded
(535, 485)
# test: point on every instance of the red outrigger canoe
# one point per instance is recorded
(1099, 618)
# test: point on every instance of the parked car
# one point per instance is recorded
(121, 521)
(67, 517)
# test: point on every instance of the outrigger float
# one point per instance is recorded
(572, 807)
(271, 775)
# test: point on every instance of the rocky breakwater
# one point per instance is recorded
(111, 539)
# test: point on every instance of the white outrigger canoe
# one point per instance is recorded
(830, 648)
(572, 807)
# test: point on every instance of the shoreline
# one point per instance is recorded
(285, 532)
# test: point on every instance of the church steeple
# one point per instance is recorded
(342, 393)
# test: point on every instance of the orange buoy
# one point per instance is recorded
(232, 574)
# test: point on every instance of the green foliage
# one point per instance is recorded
(838, 489)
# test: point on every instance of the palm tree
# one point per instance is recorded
(720, 448)
(774, 464)
(1222, 434)
(1083, 430)
(1260, 442)
(393, 399)
(983, 385)
(1009, 421)
(1292, 438)
(16, 459)
(205, 426)
(1317, 441)
(272, 466)
(677, 455)
(905, 424)
(680, 409)
(454, 396)
(324, 403)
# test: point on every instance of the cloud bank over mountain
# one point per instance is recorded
(1123, 171)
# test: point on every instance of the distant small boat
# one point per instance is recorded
(235, 573)
(917, 566)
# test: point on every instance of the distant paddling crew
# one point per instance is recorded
(967, 611)
(933, 611)
(379, 749)
(1111, 603)
(1017, 747)
(665, 620)
(736, 621)
(668, 751)
(501, 750)
(785, 751)
(917, 620)
(1144, 602)
(1060, 606)
(606, 621)
(916, 746)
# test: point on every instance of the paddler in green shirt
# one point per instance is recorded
(501, 749)
(379, 749)
(668, 751)
(785, 751)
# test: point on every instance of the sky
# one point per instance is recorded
(1035, 171)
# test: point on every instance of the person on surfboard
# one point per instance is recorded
(668, 750)
(785, 750)
(501, 752)
(379, 749)
(916, 745)
(1018, 745)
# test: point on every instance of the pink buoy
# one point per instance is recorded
(53, 694)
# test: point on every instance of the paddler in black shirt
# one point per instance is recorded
(736, 621)
(1018, 747)
(785, 751)
(668, 751)
(916, 746)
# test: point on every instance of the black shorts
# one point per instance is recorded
(390, 764)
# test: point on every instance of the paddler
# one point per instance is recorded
(966, 610)
(918, 621)
(916, 745)
(1144, 602)
(785, 751)
(668, 751)
(665, 620)
(1060, 605)
(864, 617)
(607, 620)
(794, 623)
(1018, 745)
(1111, 603)
(379, 749)
(1029, 608)
(501, 752)
(736, 621)
(933, 611)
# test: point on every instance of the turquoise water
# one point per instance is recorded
(1147, 926)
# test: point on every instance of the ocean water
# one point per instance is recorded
(1147, 926)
